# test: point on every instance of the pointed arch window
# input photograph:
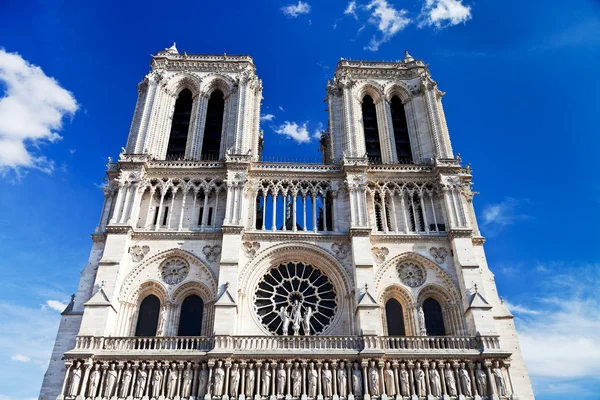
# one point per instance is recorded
(434, 320)
(180, 126)
(190, 319)
(211, 142)
(394, 316)
(372, 145)
(415, 213)
(403, 150)
(148, 316)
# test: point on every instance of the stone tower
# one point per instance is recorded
(215, 275)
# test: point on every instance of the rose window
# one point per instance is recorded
(288, 293)
(411, 274)
(174, 270)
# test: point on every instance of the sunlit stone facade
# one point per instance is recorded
(215, 275)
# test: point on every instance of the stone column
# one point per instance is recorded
(334, 365)
(319, 383)
(195, 380)
(456, 366)
(304, 377)
(473, 381)
(427, 383)
(364, 364)
(227, 370)
(288, 367)
(380, 365)
(257, 384)
(411, 374)
(396, 382)
(211, 364)
(441, 364)
(490, 378)
(68, 365)
(150, 373)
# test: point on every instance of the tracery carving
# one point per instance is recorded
(139, 252)
(411, 274)
(340, 250)
(439, 254)
(174, 270)
(250, 248)
(380, 254)
(211, 252)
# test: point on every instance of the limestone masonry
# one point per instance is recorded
(216, 275)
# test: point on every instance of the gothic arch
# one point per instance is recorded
(371, 88)
(396, 89)
(212, 82)
(402, 295)
(183, 80)
(146, 289)
(435, 292)
(199, 289)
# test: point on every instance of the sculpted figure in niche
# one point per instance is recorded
(157, 378)
(162, 321)
(286, 320)
(296, 380)
(373, 380)
(296, 317)
(250, 377)
(435, 381)
(140, 381)
(450, 381)
(326, 380)
(75, 380)
(420, 387)
(234, 381)
(312, 381)
(126, 381)
(203, 382)
(266, 379)
(481, 379)
(281, 380)
(499, 378)
(422, 328)
(342, 380)
(404, 381)
(388, 378)
(357, 383)
(465, 381)
(172, 382)
(186, 381)
(306, 320)
(218, 379)
(111, 380)
(94, 381)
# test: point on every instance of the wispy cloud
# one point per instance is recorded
(444, 13)
(20, 358)
(351, 9)
(56, 305)
(388, 20)
(295, 10)
(503, 213)
(267, 117)
(292, 130)
(519, 309)
(32, 109)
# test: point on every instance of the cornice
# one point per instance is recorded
(291, 235)
(174, 235)
(406, 238)
(457, 233)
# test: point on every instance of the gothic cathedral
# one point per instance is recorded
(215, 275)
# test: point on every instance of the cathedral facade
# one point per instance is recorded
(216, 275)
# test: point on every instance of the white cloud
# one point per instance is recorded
(443, 13)
(281, 108)
(519, 309)
(20, 358)
(504, 213)
(267, 117)
(292, 130)
(388, 21)
(351, 9)
(31, 113)
(294, 10)
(56, 305)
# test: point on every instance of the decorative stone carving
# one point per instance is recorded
(234, 381)
(296, 380)
(250, 380)
(203, 382)
(450, 381)
(174, 270)
(139, 252)
(411, 274)
(404, 381)
(481, 378)
(266, 379)
(211, 252)
(110, 381)
(357, 383)
(465, 381)
(250, 248)
(388, 378)
(312, 379)
(435, 381)
(281, 378)
(420, 387)
(75, 380)
(140, 381)
(219, 374)
(126, 381)
(157, 377)
(306, 320)
(186, 378)
(373, 380)
(95, 380)
(439, 254)
(340, 250)
(422, 327)
(499, 378)
(326, 380)
(380, 254)
(172, 381)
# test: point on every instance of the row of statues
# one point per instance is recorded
(337, 379)
(295, 318)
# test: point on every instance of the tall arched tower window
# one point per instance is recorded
(211, 144)
(372, 144)
(148, 316)
(180, 125)
(434, 321)
(394, 316)
(403, 150)
(190, 319)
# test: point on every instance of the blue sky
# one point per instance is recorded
(521, 105)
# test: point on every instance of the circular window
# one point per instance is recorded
(292, 295)
(411, 274)
(174, 270)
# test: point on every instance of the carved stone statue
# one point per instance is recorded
(75, 380)
(186, 381)
(312, 380)
(203, 381)
(422, 328)
(94, 381)
(110, 382)
(266, 380)
(219, 378)
(342, 380)
(357, 383)
(296, 381)
(388, 378)
(420, 387)
(434, 381)
(250, 378)
(126, 381)
(157, 377)
(481, 379)
(140, 381)
(499, 378)
(281, 377)
(373, 380)
(286, 320)
(465, 381)
(296, 313)
(162, 321)
(450, 381)
(234, 381)
(172, 382)
(404, 381)
(306, 320)
(326, 380)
